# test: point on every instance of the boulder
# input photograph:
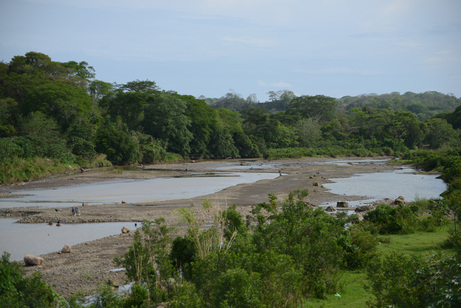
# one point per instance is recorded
(125, 230)
(31, 260)
(363, 208)
(399, 200)
(66, 249)
(317, 184)
(114, 282)
(342, 204)
(330, 209)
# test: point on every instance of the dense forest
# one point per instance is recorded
(59, 111)
(57, 115)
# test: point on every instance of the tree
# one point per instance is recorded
(140, 86)
(39, 125)
(8, 116)
(17, 290)
(318, 107)
(308, 131)
(439, 133)
(117, 144)
(166, 119)
(65, 103)
(222, 144)
(99, 89)
(82, 69)
(129, 106)
(203, 123)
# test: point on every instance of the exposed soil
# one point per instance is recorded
(89, 264)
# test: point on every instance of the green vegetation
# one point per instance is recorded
(16, 290)
(55, 116)
(287, 254)
(59, 111)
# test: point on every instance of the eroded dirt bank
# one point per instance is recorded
(89, 264)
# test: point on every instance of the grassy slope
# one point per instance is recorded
(353, 283)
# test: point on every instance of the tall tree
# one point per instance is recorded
(166, 119)
(65, 103)
(318, 107)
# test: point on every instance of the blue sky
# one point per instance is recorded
(212, 47)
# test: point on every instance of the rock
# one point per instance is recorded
(114, 282)
(84, 204)
(363, 208)
(123, 202)
(31, 260)
(125, 230)
(317, 184)
(342, 204)
(399, 200)
(66, 249)
(330, 209)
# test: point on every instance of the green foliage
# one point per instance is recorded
(39, 125)
(147, 262)
(65, 103)
(440, 134)
(118, 145)
(409, 281)
(222, 144)
(183, 252)
(150, 150)
(392, 220)
(424, 105)
(359, 247)
(165, 119)
(106, 297)
(319, 107)
(140, 86)
(16, 290)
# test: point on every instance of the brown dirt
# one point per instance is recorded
(88, 265)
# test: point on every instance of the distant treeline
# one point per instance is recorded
(424, 105)
(59, 112)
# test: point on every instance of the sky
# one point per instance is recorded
(213, 47)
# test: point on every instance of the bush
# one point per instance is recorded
(360, 248)
(392, 220)
(399, 280)
(16, 290)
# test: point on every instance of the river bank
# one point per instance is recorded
(90, 263)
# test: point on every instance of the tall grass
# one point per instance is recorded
(27, 169)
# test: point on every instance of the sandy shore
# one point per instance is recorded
(89, 264)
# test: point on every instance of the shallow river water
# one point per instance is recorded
(20, 239)
(133, 191)
(405, 182)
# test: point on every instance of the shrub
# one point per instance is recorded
(392, 220)
(16, 290)
(399, 280)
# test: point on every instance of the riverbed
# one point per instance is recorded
(280, 177)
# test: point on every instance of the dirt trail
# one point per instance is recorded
(89, 264)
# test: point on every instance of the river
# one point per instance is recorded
(19, 239)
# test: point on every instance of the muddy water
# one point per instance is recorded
(405, 182)
(133, 191)
(37, 239)
(19, 239)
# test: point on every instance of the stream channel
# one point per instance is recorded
(19, 239)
